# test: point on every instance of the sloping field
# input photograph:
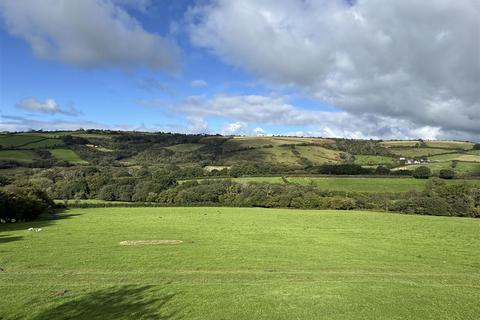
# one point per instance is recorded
(346, 184)
(67, 155)
(15, 140)
(456, 156)
(185, 147)
(418, 152)
(240, 264)
(18, 155)
(456, 145)
(365, 160)
(237, 143)
(462, 168)
(284, 155)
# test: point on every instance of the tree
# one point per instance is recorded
(422, 172)
(382, 171)
(447, 174)
(476, 146)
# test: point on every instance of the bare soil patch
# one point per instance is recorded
(149, 242)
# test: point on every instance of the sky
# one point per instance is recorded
(376, 69)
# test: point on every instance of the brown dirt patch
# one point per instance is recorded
(149, 242)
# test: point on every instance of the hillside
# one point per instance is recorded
(286, 154)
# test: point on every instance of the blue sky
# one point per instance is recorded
(238, 68)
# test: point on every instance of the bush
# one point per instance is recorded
(422, 172)
(382, 171)
(22, 203)
(447, 174)
(476, 146)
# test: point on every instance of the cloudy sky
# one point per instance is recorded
(343, 68)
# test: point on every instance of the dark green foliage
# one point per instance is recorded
(476, 146)
(22, 203)
(365, 147)
(341, 169)
(422, 172)
(446, 174)
(382, 170)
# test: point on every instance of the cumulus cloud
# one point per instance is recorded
(417, 62)
(15, 123)
(198, 83)
(48, 106)
(87, 33)
(235, 128)
(244, 111)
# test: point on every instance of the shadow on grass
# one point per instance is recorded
(43, 221)
(128, 302)
(7, 238)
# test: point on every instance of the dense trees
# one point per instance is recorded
(22, 203)
(422, 172)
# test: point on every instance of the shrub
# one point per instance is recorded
(476, 146)
(447, 174)
(422, 172)
(22, 203)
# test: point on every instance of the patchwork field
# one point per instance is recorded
(240, 264)
(67, 155)
(18, 155)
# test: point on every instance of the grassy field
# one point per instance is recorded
(365, 160)
(18, 155)
(237, 263)
(362, 184)
(67, 155)
(456, 156)
(418, 152)
(462, 168)
(185, 147)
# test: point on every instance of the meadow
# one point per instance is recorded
(237, 263)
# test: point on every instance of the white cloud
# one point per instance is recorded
(87, 33)
(244, 111)
(415, 61)
(49, 106)
(235, 128)
(259, 132)
(199, 83)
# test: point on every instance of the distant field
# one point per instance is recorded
(362, 184)
(46, 143)
(365, 160)
(284, 155)
(185, 147)
(418, 152)
(237, 143)
(19, 155)
(458, 145)
(450, 144)
(462, 168)
(67, 155)
(15, 140)
(242, 264)
(456, 156)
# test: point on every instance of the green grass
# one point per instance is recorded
(45, 143)
(18, 155)
(238, 263)
(15, 140)
(185, 147)
(464, 169)
(365, 160)
(418, 152)
(362, 184)
(67, 155)
(450, 144)
(456, 156)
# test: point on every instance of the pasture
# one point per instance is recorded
(67, 155)
(238, 263)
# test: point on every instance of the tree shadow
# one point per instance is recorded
(7, 238)
(127, 302)
(43, 221)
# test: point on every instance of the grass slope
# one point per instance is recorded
(67, 155)
(18, 155)
(362, 184)
(241, 264)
